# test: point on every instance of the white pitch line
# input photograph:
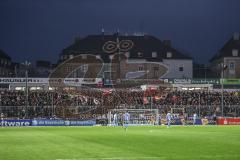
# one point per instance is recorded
(114, 158)
(133, 158)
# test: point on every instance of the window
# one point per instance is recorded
(140, 68)
(140, 54)
(231, 66)
(71, 56)
(180, 69)
(169, 54)
(234, 52)
(69, 68)
(154, 54)
(155, 72)
(84, 68)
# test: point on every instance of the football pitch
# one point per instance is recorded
(113, 143)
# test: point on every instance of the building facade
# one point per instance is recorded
(123, 57)
(6, 68)
(226, 63)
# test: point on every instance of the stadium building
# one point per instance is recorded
(5, 65)
(123, 57)
(229, 57)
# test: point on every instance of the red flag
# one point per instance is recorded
(106, 92)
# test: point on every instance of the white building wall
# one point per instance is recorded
(173, 68)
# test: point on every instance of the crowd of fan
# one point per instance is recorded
(108, 99)
(199, 98)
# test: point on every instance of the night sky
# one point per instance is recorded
(40, 29)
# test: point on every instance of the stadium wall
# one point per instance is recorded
(228, 121)
(51, 122)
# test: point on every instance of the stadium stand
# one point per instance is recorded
(68, 104)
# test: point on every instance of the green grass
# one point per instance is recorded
(113, 143)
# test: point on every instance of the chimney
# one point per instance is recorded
(167, 43)
(236, 36)
(103, 31)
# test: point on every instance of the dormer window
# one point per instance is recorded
(154, 54)
(71, 56)
(169, 54)
(235, 53)
(140, 54)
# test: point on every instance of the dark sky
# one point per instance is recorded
(40, 29)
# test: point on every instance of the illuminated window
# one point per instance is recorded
(71, 56)
(154, 54)
(169, 54)
(234, 52)
(140, 54)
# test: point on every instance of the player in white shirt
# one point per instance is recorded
(194, 118)
(1, 117)
(115, 119)
(168, 118)
(126, 119)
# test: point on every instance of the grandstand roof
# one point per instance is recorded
(144, 44)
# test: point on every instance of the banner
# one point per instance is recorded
(230, 81)
(193, 81)
(22, 80)
(181, 121)
(46, 122)
(228, 121)
(15, 123)
(67, 81)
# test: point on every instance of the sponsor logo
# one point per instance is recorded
(14, 123)
(225, 121)
(34, 122)
(67, 123)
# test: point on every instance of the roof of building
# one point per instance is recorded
(4, 55)
(229, 46)
(105, 45)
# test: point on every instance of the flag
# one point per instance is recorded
(107, 92)
(145, 100)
